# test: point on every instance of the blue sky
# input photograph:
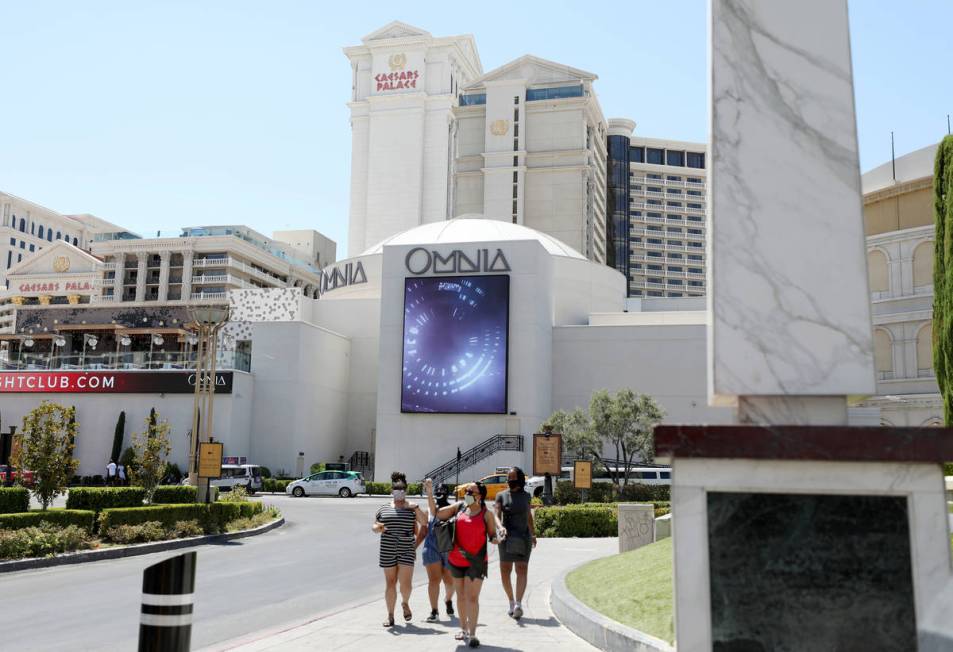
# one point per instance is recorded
(157, 115)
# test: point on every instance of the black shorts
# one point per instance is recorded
(459, 572)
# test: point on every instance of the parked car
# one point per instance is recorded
(239, 475)
(27, 475)
(342, 483)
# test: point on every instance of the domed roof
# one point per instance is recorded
(473, 228)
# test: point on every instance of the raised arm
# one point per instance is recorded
(445, 513)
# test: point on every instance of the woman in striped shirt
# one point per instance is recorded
(402, 526)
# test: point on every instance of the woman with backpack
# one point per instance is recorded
(435, 561)
(475, 526)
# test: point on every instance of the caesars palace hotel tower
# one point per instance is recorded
(433, 138)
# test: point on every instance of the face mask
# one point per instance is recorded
(514, 484)
(469, 500)
(398, 494)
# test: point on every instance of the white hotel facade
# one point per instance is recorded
(505, 173)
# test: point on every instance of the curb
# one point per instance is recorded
(595, 628)
(133, 550)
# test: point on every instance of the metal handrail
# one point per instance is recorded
(476, 454)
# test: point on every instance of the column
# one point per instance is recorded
(186, 275)
(164, 258)
(120, 273)
(783, 129)
(143, 259)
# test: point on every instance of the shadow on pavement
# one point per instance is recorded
(414, 630)
(538, 622)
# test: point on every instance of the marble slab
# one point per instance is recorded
(787, 266)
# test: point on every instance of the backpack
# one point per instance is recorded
(445, 533)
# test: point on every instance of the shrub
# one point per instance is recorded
(59, 517)
(272, 484)
(588, 520)
(646, 493)
(45, 445)
(172, 476)
(167, 515)
(604, 492)
(177, 494)
(378, 488)
(317, 467)
(536, 501)
(238, 494)
(948, 468)
(152, 447)
(142, 533)
(265, 472)
(184, 529)
(14, 500)
(100, 498)
(267, 515)
(43, 540)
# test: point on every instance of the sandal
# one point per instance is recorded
(389, 622)
(461, 636)
(474, 641)
(407, 614)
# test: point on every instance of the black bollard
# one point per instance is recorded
(165, 624)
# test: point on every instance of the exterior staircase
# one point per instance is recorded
(466, 459)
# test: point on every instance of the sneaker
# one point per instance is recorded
(433, 617)
(474, 641)
(518, 612)
(510, 611)
(450, 610)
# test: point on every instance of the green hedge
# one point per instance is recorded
(62, 517)
(211, 517)
(177, 494)
(604, 492)
(383, 488)
(100, 498)
(14, 500)
(42, 541)
(589, 520)
(272, 484)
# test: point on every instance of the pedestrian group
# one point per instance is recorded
(455, 538)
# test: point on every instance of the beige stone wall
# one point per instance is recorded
(923, 264)
(895, 210)
(883, 356)
(877, 275)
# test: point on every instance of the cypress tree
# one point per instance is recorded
(118, 437)
(943, 275)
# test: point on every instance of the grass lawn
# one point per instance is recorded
(634, 588)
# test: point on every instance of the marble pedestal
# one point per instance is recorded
(806, 537)
(636, 526)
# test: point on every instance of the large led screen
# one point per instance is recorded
(455, 344)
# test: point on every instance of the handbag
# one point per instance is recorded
(445, 533)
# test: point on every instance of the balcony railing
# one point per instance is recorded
(133, 360)
(209, 296)
(665, 182)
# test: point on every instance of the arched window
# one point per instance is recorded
(883, 350)
(23, 225)
(877, 271)
(49, 235)
(75, 241)
(40, 234)
(923, 264)
(925, 350)
(58, 235)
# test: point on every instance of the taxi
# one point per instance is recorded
(495, 483)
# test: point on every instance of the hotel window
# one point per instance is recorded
(675, 243)
(654, 176)
(696, 206)
(694, 218)
(695, 231)
(473, 100)
(675, 158)
(636, 239)
(673, 178)
(675, 256)
(674, 191)
(675, 268)
(636, 265)
(654, 268)
(654, 202)
(58, 236)
(694, 180)
(9, 259)
(40, 234)
(674, 229)
(655, 280)
(674, 204)
(19, 257)
(695, 193)
(13, 242)
(49, 235)
(695, 257)
(636, 213)
(674, 294)
(653, 189)
(22, 225)
(654, 254)
(677, 218)
(32, 248)
(655, 215)
(674, 281)
(516, 161)
(22, 244)
(696, 284)
(636, 154)
(655, 241)
(654, 227)
(695, 160)
(655, 156)
(636, 293)
(654, 293)
(556, 93)
(696, 270)
(696, 245)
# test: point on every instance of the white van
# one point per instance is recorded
(637, 474)
(239, 475)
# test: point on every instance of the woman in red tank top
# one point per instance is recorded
(475, 526)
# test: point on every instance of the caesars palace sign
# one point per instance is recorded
(397, 78)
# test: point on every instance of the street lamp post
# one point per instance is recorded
(207, 321)
(91, 341)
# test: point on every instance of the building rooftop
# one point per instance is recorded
(472, 229)
(915, 165)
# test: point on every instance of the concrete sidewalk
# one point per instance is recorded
(358, 627)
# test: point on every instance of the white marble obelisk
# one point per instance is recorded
(790, 333)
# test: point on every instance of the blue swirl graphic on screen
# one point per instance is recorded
(455, 344)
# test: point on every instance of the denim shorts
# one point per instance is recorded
(431, 556)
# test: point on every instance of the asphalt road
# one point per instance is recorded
(324, 557)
